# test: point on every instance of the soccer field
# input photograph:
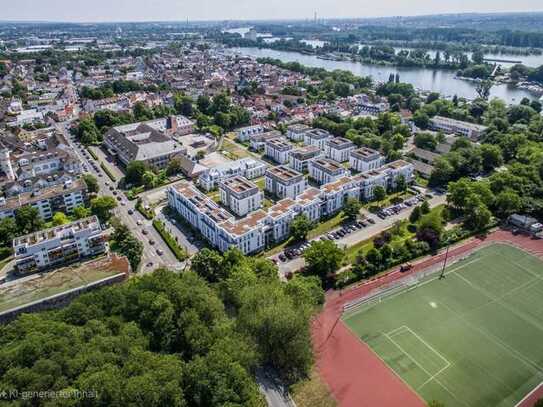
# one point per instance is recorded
(474, 338)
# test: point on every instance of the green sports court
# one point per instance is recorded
(474, 338)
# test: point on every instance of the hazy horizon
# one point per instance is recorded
(217, 10)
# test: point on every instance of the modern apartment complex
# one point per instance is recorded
(245, 133)
(278, 149)
(246, 167)
(284, 182)
(240, 195)
(365, 159)
(296, 132)
(339, 149)
(324, 171)
(300, 158)
(317, 137)
(59, 245)
(260, 228)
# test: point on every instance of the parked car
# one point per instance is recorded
(282, 257)
(370, 220)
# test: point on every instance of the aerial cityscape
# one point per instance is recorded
(229, 204)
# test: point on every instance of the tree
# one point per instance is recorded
(92, 183)
(507, 202)
(174, 166)
(102, 207)
(425, 208)
(430, 229)
(132, 248)
(149, 179)
(352, 207)
(401, 184)
(425, 141)
(323, 258)
(477, 214)
(415, 215)
(81, 212)
(421, 119)
(8, 231)
(379, 193)
(208, 265)
(483, 89)
(28, 219)
(300, 227)
(59, 219)
(492, 156)
(134, 172)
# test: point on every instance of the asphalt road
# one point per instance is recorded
(140, 227)
(275, 392)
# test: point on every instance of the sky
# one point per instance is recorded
(180, 10)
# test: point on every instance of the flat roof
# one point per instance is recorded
(283, 172)
(238, 185)
(340, 142)
(327, 165)
(365, 153)
(57, 232)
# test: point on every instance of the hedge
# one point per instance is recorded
(178, 251)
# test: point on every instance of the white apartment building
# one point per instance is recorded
(216, 225)
(339, 149)
(296, 132)
(299, 158)
(365, 159)
(257, 229)
(284, 182)
(246, 167)
(59, 245)
(49, 200)
(240, 195)
(258, 141)
(317, 137)
(466, 129)
(245, 133)
(278, 149)
(325, 171)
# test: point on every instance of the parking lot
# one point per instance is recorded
(291, 259)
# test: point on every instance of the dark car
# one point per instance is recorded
(282, 257)
(370, 220)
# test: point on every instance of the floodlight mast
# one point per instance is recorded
(442, 275)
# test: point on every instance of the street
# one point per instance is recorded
(140, 227)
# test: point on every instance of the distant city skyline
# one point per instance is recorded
(181, 10)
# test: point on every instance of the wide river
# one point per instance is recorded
(442, 81)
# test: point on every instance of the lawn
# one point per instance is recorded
(471, 339)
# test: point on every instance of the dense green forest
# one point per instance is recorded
(166, 339)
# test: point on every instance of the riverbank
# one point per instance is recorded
(422, 79)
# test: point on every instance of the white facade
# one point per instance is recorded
(296, 132)
(317, 137)
(284, 182)
(245, 133)
(339, 149)
(325, 171)
(240, 195)
(466, 129)
(245, 167)
(278, 149)
(365, 159)
(59, 245)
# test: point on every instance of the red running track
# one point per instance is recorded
(354, 373)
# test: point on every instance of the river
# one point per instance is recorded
(442, 81)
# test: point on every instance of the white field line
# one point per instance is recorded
(529, 394)
(423, 369)
(405, 328)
